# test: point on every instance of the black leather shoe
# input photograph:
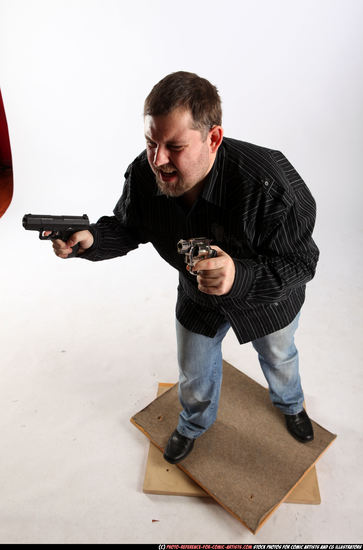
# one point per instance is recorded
(299, 426)
(178, 447)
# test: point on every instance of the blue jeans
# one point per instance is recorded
(200, 374)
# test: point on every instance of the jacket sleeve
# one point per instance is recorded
(118, 234)
(286, 255)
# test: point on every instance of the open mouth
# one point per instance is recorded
(167, 175)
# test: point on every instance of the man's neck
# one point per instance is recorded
(190, 197)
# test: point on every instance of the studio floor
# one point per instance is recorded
(83, 348)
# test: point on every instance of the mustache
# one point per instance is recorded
(165, 168)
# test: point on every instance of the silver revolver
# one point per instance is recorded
(194, 250)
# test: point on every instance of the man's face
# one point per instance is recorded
(177, 153)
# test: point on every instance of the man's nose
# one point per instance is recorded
(161, 156)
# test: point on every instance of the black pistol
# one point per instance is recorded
(61, 227)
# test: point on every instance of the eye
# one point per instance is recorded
(150, 144)
(176, 147)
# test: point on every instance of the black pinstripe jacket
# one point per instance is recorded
(255, 207)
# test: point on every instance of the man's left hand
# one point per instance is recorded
(216, 275)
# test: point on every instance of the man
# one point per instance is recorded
(192, 182)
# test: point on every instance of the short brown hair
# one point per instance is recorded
(188, 90)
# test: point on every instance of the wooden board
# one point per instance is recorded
(247, 461)
(162, 478)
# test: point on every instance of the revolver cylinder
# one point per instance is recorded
(195, 249)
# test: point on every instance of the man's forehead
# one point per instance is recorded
(173, 126)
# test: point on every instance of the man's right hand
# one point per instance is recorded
(83, 238)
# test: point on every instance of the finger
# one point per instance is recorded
(210, 264)
(74, 239)
(61, 249)
(64, 256)
(59, 245)
(211, 273)
(63, 253)
(209, 276)
(209, 289)
(83, 238)
(204, 279)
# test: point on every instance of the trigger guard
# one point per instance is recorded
(47, 237)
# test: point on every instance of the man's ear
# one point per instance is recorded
(215, 138)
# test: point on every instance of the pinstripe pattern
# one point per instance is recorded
(255, 207)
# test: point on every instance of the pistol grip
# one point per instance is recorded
(75, 250)
(65, 236)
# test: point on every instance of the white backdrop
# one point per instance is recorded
(74, 74)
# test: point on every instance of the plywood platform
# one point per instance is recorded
(162, 478)
(247, 461)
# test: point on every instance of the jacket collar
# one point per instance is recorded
(214, 187)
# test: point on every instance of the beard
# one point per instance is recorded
(173, 183)
(170, 189)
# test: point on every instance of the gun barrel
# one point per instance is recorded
(37, 222)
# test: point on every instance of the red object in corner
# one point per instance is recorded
(6, 172)
(5, 151)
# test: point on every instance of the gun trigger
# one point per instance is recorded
(43, 237)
